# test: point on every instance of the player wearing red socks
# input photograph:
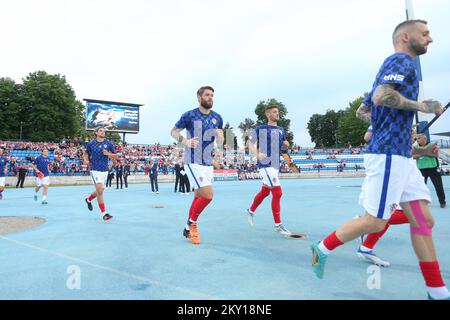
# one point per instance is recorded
(97, 154)
(40, 166)
(392, 177)
(203, 127)
(270, 139)
(366, 249)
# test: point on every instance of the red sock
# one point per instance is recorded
(199, 206)
(372, 239)
(398, 217)
(332, 242)
(276, 204)
(432, 274)
(102, 207)
(91, 197)
(191, 209)
(265, 191)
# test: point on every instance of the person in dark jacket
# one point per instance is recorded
(22, 174)
(154, 176)
(126, 173)
(119, 175)
(110, 176)
(185, 185)
(178, 177)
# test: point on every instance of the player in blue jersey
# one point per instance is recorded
(270, 139)
(3, 172)
(40, 166)
(98, 152)
(203, 128)
(392, 178)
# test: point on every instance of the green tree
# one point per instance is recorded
(245, 126)
(10, 109)
(350, 129)
(114, 137)
(230, 138)
(52, 111)
(284, 122)
(323, 128)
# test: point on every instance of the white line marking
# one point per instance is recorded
(121, 273)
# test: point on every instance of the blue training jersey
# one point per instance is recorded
(203, 127)
(99, 162)
(391, 128)
(42, 164)
(3, 163)
(270, 140)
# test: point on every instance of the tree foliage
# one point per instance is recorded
(323, 128)
(284, 122)
(338, 128)
(10, 109)
(351, 130)
(44, 106)
(230, 138)
(52, 111)
(245, 126)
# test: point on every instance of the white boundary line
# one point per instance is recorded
(200, 295)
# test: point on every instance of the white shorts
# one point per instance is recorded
(2, 181)
(270, 177)
(199, 176)
(390, 180)
(44, 182)
(99, 177)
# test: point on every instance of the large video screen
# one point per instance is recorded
(113, 117)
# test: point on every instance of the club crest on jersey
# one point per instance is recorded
(214, 121)
(394, 77)
(201, 179)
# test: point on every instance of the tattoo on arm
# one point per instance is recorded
(386, 95)
(363, 113)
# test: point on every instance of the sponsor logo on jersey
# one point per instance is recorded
(394, 77)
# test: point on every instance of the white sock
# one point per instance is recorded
(323, 248)
(44, 198)
(439, 293)
(365, 249)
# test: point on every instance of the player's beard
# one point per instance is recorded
(417, 47)
(206, 104)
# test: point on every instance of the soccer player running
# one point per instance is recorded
(3, 172)
(40, 166)
(392, 177)
(203, 127)
(368, 242)
(98, 152)
(270, 139)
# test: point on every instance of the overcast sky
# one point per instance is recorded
(311, 55)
